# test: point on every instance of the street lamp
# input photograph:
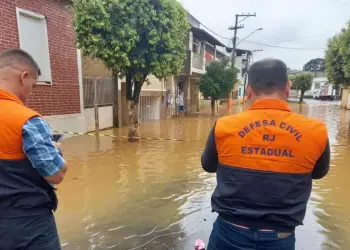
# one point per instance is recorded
(250, 35)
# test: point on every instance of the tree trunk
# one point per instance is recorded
(301, 100)
(212, 104)
(116, 106)
(217, 107)
(134, 122)
(133, 96)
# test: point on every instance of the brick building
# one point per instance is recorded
(44, 29)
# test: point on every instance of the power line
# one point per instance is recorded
(267, 45)
(236, 28)
(282, 47)
(292, 40)
(227, 38)
(243, 19)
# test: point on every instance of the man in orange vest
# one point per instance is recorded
(265, 160)
(30, 162)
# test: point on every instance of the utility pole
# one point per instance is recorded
(234, 39)
(234, 42)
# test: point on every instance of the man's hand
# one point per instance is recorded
(59, 176)
(57, 145)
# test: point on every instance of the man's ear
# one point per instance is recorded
(288, 88)
(248, 91)
(24, 76)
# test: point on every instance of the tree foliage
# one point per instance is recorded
(338, 58)
(317, 64)
(218, 80)
(345, 50)
(302, 82)
(133, 37)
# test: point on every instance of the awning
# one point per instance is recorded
(241, 52)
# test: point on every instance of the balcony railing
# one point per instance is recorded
(197, 61)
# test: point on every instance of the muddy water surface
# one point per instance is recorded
(154, 194)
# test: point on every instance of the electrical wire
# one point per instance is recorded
(227, 38)
(281, 47)
(243, 19)
(292, 40)
(266, 45)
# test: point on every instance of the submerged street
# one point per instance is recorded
(155, 195)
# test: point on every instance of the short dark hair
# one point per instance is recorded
(11, 57)
(267, 76)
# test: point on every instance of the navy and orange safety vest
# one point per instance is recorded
(23, 192)
(266, 157)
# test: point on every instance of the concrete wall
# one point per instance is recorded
(105, 118)
(239, 66)
(67, 123)
(240, 79)
(194, 96)
(81, 123)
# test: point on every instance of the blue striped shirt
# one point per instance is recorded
(39, 148)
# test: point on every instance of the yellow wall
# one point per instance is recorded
(156, 84)
(95, 68)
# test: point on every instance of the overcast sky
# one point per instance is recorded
(285, 23)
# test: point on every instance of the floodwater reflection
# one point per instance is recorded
(154, 194)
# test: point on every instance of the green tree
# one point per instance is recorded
(134, 38)
(218, 80)
(344, 45)
(302, 82)
(317, 64)
(335, 63)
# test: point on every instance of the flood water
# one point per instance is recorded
(154, 194)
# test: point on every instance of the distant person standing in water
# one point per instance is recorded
(265, 160)
(30, 162)
(181, 103)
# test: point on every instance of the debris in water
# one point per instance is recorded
(199, 245)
